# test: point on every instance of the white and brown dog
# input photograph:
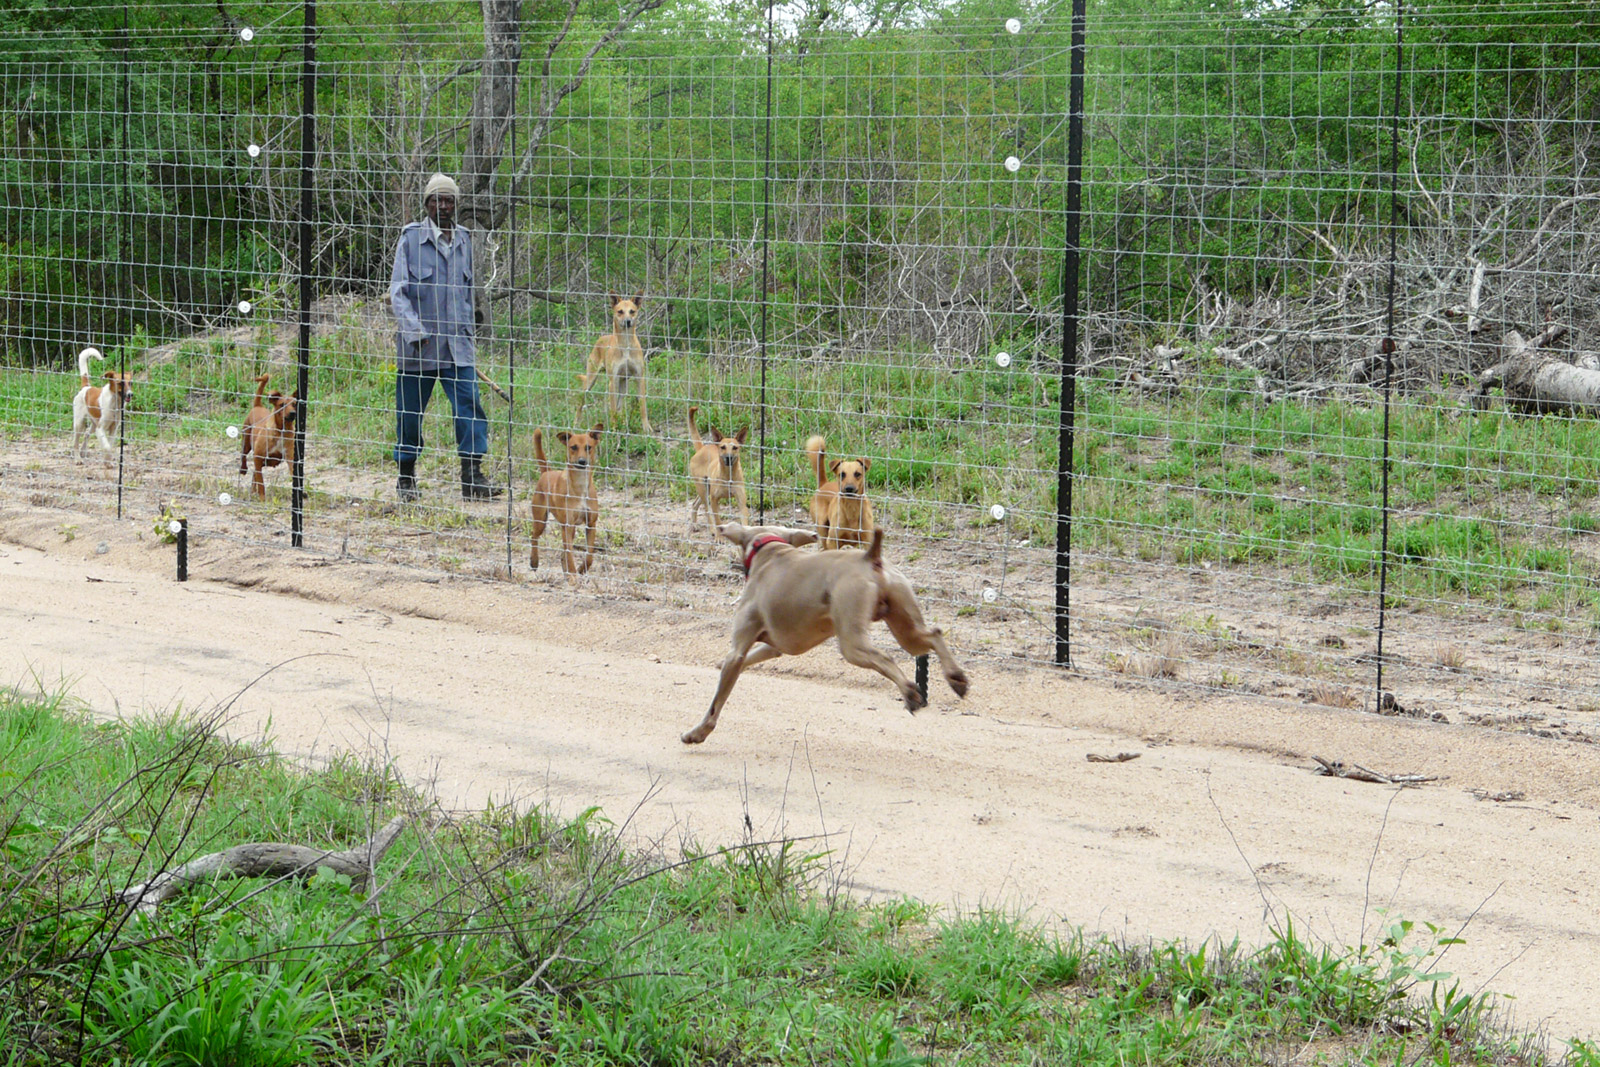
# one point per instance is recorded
(619, 355)
(269, 432)
(98, 407)
(717, 473)
(840, 507)
(567, 497)
(794, 601)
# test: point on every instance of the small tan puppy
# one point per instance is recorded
(567, 496)
(716, 472)
(620, 356)
(98, 407)
(268, 437)
(840, 507)
(793, 601)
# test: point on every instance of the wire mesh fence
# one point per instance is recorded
(853, 224)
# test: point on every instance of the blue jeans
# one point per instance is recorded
(413, 390)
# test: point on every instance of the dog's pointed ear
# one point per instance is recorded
(732, 531)
(562, 436)
(716, 435)
(744, 431)
(111, 375)
(599, 428)
(834, 466)
(866, 465)
(615, 299)
(638, 301)
(799, 538)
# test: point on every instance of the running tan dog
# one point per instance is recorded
(840, 507)
(794, 601)
(568, 497)
(716, 472)
(618, 354)
(98, 407)
(268, 437)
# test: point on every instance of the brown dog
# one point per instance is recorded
(268, 437)
(716, 472)
(568, 497)
(98, 407)
(794, 601)
(840, 507)
(619, 354)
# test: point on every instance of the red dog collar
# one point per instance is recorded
(761, 542)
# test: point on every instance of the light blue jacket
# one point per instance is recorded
(432, 297)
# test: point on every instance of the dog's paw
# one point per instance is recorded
(693, 737)
(958, 682)
(914, 699)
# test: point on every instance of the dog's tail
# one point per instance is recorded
(261, 387)
(83, 363)
(817, 450)
(538, 451)
(875, 550)
(694, 431)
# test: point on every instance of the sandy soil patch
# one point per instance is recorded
(517, 690)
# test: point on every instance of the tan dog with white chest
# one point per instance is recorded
(98, 407)
(793, 601)
(621, 357)
(567, 496)
(840, 507)
(268, 437)
(717, 473)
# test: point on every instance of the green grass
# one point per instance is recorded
(1487, 507)
(512, 937)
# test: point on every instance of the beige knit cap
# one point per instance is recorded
(441, 185)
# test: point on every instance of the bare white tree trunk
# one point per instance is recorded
(1536, 383)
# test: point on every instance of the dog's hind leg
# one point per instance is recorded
(539, 516)
(852, 615)
(745, 634)
(694, 509)
(905, 622)
(760, 654)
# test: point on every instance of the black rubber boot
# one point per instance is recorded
(406, 486)
(472, 474)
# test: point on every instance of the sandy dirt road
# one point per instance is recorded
(521, 691)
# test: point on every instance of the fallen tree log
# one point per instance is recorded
(1535, 383)
(262, 859)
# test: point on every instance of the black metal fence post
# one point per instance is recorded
(1070, 262)
(1388, 345)
(308, 151)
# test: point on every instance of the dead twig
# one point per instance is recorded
(1356, 772)
(1498, 798)
(1120, 757)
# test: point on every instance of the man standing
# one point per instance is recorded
(437, 311)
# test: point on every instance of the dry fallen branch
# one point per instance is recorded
(1120, 757)
(1536, 383)
(1358, 773)
(1498, 798)
(263, 859)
